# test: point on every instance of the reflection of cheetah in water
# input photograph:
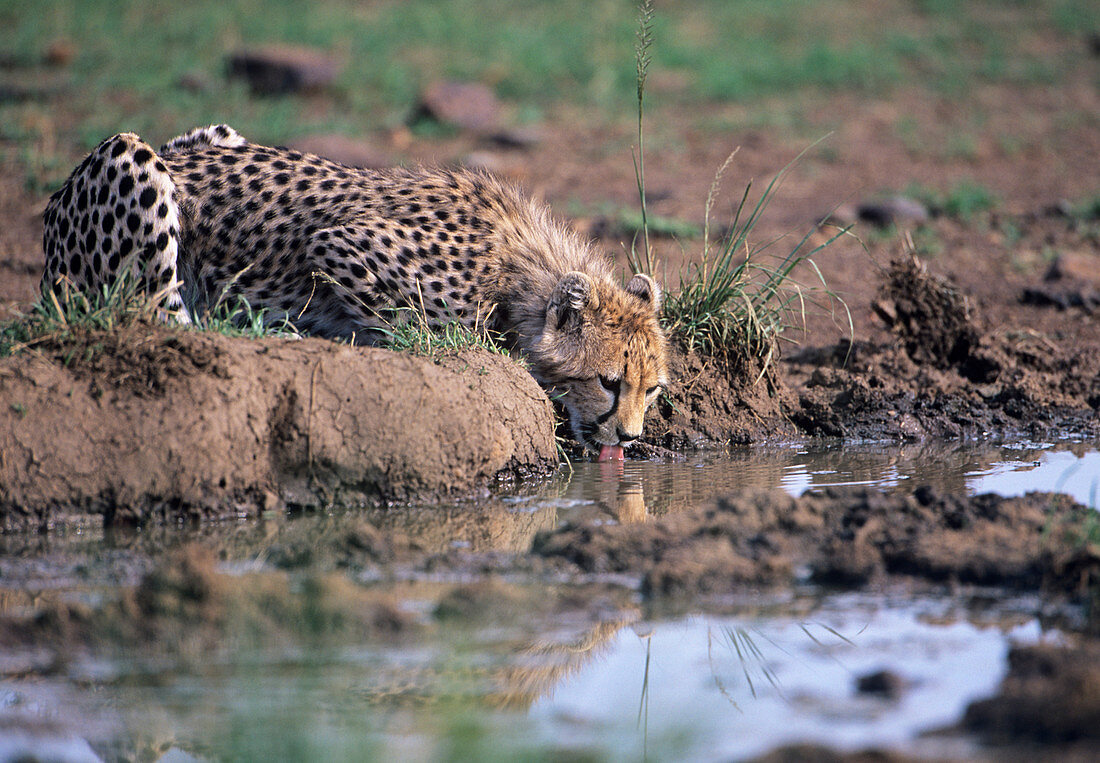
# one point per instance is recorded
(336, 249)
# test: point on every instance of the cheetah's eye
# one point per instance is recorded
(611, 385)
(652, 389)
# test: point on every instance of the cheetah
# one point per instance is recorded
(341, 252)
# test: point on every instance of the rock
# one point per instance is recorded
(896, 210)
(275, 69)
(195, 82)
(60, 52)
(341, 148)
(517, 137)
(1070, 266)
(884, 683)
(467, 105)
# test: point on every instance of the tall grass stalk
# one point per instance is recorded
(644, 262)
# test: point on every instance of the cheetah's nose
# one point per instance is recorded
(625, 438)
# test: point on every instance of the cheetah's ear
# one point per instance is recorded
(573, 293)
(646, 288)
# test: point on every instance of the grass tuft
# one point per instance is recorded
(53, 319)
(739, 298)
(413, 335)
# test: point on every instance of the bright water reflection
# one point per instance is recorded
(636, 490)
(719, 688)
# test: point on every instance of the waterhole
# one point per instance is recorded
(530, 666)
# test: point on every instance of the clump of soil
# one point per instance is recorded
(934, 321)
(1050, 695)
(846, 537)
(148, 422)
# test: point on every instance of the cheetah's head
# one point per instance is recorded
(602, 356)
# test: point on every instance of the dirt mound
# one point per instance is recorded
(158, 423)
(842, 536)
(718, 401)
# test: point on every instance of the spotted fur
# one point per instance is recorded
(341, 250)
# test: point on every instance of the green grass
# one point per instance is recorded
(51, 320)
(132, 54)
(409, 332)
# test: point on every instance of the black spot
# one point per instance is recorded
(112, 173)
(133, 222)
(142, 155)
(90, 242)
(255, 185)
(148, 197)
(228, 160)
(327, 185)
(76, 263)
(302, 185)
(118, 149)
(427, 268)
(113, 262)
(108, 224)
(358, 270)
(160, 166)
(162, 241)
(162, 210)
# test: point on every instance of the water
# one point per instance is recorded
(609, 677)
(631, 491)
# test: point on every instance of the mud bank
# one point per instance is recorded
(844, 537)
(946, 372)
(151, 423)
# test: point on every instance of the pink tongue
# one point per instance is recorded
(611, 453)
